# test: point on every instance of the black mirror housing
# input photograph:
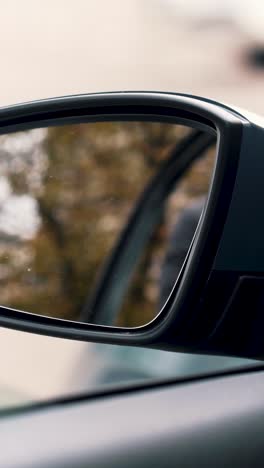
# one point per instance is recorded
(215, 305)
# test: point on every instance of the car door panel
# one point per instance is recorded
(217, 421)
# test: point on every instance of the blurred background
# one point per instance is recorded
(58, 47)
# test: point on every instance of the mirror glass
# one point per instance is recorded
(96, 219)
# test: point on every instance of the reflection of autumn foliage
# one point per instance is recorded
(89, 179)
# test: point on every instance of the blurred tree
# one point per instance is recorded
(82, 182)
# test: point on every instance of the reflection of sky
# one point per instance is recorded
(19, 213)
(21, 142)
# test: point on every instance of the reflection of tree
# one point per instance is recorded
(84, 179)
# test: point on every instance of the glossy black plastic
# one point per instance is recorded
(183, 324)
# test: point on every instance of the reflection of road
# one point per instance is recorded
(56, 47)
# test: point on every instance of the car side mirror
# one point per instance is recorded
(133, 218)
